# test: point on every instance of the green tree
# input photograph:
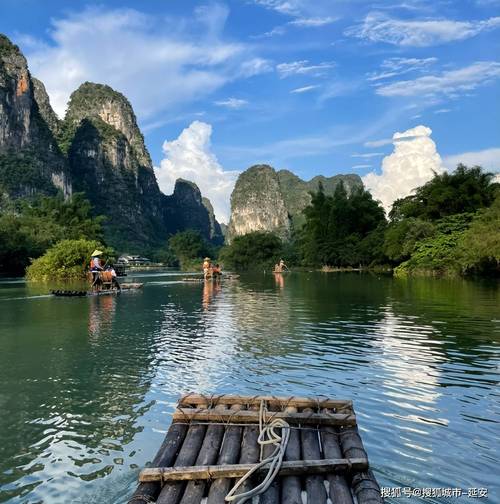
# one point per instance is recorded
(465, 190)
(402, 236)
(344, 229)
(189, 245)
(252, 251)
(66, 260)
(479, 247)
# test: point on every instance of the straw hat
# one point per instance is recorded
(96, 253)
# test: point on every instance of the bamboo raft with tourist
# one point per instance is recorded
(102, 279)
(266, 449)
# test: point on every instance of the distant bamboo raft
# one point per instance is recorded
(102, 292)
(212, 442)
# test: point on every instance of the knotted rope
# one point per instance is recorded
(267, 436)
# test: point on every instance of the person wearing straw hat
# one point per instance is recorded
(207, 270)
(95, 265)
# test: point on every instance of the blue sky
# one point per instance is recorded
(318, 87)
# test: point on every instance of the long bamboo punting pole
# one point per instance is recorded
(149, 491)
(292, 467)
(207, 456)
(291, 488)
(172, 491)
(229, 454)
(307, 417)
(315, 487)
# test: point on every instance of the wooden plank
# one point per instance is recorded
(339, 490)
(291, 488)
(292, 467)
(315, 487)
(229, 454)
(305, 418)
(148, 492)
(206, 456)
(172, 490)
(298, 402)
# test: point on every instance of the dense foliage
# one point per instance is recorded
(252, 251)
(343, 229)
(66, 260)
(189, 247)
(29, 228)
(463, 191)
(446, 227)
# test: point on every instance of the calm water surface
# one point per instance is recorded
(87, 385)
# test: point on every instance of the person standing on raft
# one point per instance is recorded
(95, 266)
(207, 268)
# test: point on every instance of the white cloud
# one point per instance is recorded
(361, 166)
(156, 62)
(190, 157)
(303, 68)
(442, 111)
(368, 155)
(313, 22)
(396, 66)
(489, 159)
(412, 163)
(290, 7)
(304, 89)
(378, 143)
(450, 83)
(378, 27)
(232, 103)
(255, 66)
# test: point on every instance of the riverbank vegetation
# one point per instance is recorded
(449, 226)
(28, 228)
(67, 260)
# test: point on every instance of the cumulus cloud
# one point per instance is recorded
(412, 163)
(378, 143)
(378, 27)
(489, 159)
(232, 103)
(190, 157)
(449, 83)
(156, 62)
(303, 67)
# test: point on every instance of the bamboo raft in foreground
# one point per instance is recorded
(212, 442)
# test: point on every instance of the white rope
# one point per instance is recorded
(267, 436)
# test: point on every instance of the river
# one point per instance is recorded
(87, 385)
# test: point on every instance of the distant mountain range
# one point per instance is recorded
(264, 199)
(97, 149)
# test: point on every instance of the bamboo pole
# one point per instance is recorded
(229, 454)
(339, 491)
(315, 487)
(207, 456)
(292, 467)
(366, 488)
(282, 401)
(172, 490)
(291, 488)
(148, 492)
(307, 417)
